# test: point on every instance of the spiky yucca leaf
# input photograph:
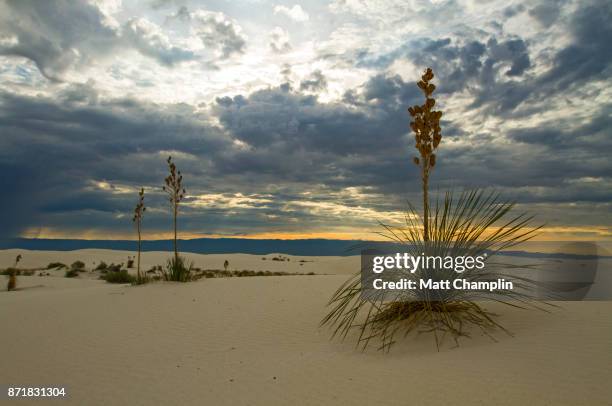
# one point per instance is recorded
(470, 224)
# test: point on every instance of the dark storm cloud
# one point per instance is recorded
(495, 72)
(54, 151)
(297, 121)
(43, 36)
(513, 10)
(589, 56)
(364, 143)
(471, 65)
(18, 205)
(586, 58)
(547, 12)
(593, 136)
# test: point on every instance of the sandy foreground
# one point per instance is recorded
(256, 341)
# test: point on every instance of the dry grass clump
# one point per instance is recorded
(121, 276)
(71, 273)
(78, 266)
(101, 266)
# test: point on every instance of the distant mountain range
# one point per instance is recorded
(310, 247)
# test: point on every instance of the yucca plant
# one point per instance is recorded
(137, 219)
(175, 191)
(12, 282)
(472, 224)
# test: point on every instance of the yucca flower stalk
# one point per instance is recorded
(428, 134)
(137, 219)
(175, 191)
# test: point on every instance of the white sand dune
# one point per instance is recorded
(256, 341)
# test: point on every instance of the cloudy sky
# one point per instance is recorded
(289, 120)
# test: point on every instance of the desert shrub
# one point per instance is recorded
(77, 265)
(177, 271)
(217, 273)
(144, 279)
(17, 272)
(122, 276)
(72, 273)
(101, 266)
(57, 265)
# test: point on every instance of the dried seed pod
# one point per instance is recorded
(416, 160)
(426, 123)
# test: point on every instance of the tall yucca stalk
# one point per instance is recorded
(428, 134)
(175, 191)
(137, 219)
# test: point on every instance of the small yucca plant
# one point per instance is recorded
(137, 219)
(12, 282)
